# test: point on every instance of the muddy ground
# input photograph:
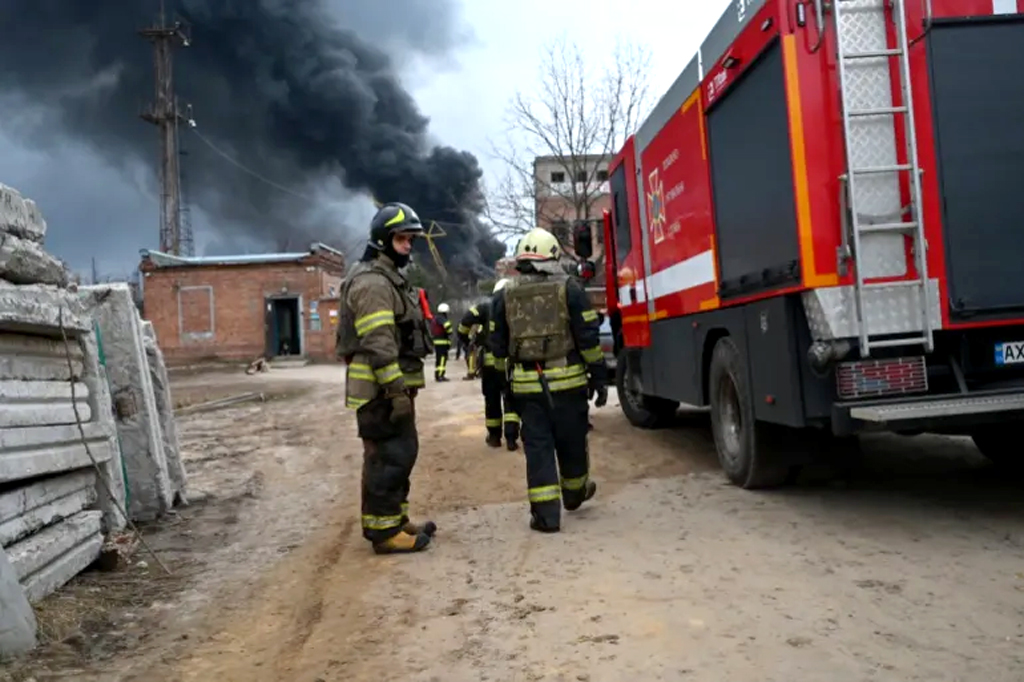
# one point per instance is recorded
(909, 567)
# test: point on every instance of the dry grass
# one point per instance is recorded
(89, 619)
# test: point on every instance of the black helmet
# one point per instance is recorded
(390, 219)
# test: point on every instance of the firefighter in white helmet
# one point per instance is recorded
(441, 333)
(546, 329)
(492, 378)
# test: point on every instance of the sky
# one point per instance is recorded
(104, 207)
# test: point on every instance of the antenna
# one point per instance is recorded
(164, 114)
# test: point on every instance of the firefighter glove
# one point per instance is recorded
(401, 407)
(599, 389)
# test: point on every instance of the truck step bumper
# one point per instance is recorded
(939, 413)
(939, 408)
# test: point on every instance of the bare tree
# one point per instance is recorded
(579, 116)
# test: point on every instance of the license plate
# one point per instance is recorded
(1010, 353)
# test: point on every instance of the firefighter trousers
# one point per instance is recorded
(389, 455)
(492, 384)
(557, 458)
(441, 351)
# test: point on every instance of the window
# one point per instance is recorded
(620, 215)
(602, 176)
(560, 228)
(581, 176)
(557, 176)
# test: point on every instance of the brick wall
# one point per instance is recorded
(320, 343)
(178, 301)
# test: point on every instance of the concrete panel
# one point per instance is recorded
(57, 573)
(20, 501)
(37, 551)
(136, 415)
(36, 309)
(38, 451)
(17, 620)
(42, 403)
(45, 515)
(112, 470)
(20, 216)
(28, 357)
(165, 408)
(26, 262)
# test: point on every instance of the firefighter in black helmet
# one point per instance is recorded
(383, 337)
(546, 329)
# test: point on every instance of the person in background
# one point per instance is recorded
(441, 331)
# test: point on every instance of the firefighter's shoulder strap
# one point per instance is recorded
(392, 276)
(537, 313)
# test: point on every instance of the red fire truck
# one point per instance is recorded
(819, 230)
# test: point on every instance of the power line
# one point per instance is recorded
(238, 164)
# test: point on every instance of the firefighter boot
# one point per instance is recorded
(493, 440)
(511, 444)
(428, 528)
(538, 524)
(402, 543)
(590, 489)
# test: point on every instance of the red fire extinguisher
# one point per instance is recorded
(425, 305)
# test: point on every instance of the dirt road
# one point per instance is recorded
(913, 569)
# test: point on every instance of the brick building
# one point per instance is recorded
(571, 189)
(242, 307)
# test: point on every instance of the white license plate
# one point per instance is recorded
(1010, 353)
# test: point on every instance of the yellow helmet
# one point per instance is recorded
(538, 245)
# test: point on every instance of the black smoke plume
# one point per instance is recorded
(299, 90)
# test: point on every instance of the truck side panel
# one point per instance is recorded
(771, 333)
(677, 189)
(629, 265)
(980, 145)
(752, 171)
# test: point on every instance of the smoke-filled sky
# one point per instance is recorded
(329, 99)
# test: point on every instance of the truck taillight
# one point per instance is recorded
(877, 378)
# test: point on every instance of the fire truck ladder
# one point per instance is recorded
(860, 30)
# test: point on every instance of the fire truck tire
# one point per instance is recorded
(643, 411)
(744, 447)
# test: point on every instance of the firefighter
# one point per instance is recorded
(441, 330)
(492, 379)
(546, 329)
(382, 337)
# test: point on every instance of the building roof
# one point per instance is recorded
(583, 158)
(163, 260)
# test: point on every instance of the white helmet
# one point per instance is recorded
(499, 285)
(443, 308)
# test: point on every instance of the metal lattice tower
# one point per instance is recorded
(164, 114)
(185, 241)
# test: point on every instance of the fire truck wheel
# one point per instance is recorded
(643, 411)
(742, 444)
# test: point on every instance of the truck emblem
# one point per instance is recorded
(656, 206)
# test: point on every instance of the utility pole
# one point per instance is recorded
(164, 114)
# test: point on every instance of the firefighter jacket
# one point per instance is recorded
(544, 325)
(382, 335)
(441, 330)
(477, 316)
